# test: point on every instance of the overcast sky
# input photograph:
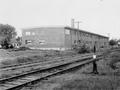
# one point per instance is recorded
(98, 16)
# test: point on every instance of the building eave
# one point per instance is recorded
(85, 32)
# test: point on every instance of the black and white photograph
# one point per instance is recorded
(59, 44)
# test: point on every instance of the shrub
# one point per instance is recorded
(83, 49)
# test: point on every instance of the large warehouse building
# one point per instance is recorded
(61, 38)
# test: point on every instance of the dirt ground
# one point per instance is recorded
(83, 79)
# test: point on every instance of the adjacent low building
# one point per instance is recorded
(61, 38)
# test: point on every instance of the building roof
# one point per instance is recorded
(85, 32)
(65, 27)
(42, 27)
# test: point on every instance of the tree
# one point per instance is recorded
(113, 42)
(7, 32)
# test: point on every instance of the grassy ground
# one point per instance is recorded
(107, 79)
(19, 57)
(8, 57)
(29, 56)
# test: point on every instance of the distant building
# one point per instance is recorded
(60, 38)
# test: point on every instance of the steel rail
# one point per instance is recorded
(38, 67)
(27, 64)
(11, 80)
(56, 65)
(36, 64)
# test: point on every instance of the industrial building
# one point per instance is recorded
(61, 38)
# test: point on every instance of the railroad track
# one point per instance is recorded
(13, 71)
(13, 67)
(34, 63)
(40, 74)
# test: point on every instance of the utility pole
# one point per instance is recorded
(73, 22)
(78, 23)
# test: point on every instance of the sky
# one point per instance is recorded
(97, 16)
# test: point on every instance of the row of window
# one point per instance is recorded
(29, 33)
(87, 35)
(80, 41)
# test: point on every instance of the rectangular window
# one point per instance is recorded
(67, 31)
(27, 33)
